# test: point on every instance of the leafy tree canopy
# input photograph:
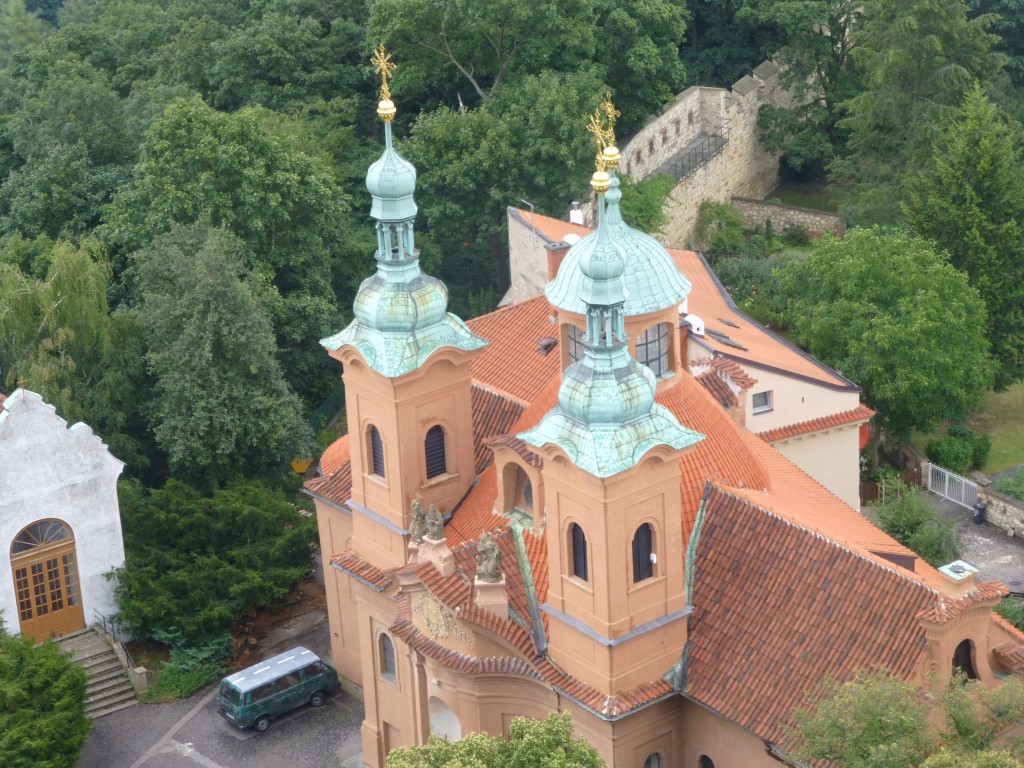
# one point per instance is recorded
(531, 744)
(919, 58)
(195, 562)
(222, 406)
(888, 312)
(42, 706)
(970, 202)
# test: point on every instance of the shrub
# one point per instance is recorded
(961, 450)
(1012, 486)
(643, 202)
(908, 518)
(720, 229)
(1012, 609)
(795, 236)
(190, 667)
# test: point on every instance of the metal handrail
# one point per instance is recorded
(111, 629)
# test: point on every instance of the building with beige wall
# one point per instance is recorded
(547, 509)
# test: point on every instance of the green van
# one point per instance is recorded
(258, 694)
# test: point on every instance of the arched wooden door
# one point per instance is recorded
(46, 584)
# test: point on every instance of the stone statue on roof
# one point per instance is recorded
(488, 560)
(419, 523)
(435, 524)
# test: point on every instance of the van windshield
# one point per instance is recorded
(230, 694)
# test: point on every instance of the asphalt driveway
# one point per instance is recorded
(191, 733)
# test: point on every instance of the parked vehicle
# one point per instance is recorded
(256, 695)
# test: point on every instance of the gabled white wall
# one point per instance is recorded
(48, 470)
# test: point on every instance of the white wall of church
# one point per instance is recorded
(50, 470)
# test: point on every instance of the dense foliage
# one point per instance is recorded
(195, 562)
(907, 516)
(530, 744)
(42, 706)
(879, 721)
(877, 306)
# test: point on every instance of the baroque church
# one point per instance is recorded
(526, 519)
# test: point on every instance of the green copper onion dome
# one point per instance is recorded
(606, 419)
(652, 280)
(401, 313)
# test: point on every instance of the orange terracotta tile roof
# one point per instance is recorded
(512, 363)
(337, 453)
(948, 608)
(719, 390)
(349, 562)
(493, 414)
(521, 449)
(709, 300)
(859, 414)
(1010, 655)
(335, 488)
(778, 608)
(732, 369)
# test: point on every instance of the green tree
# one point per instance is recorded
(919, 58)
(222, 407)
(988, 759)
(722, 43)
(249, 172)
(971, 204)
(42, 706)
(871, 721)
(910, 519)
(20, 29)
(888, 312)
(531, 744)
(195, 562)
(525, 143)
(818, 73)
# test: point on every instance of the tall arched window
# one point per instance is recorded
(433, 447)
(643, 541)
(578, 550)
(376, 452)
(652, 347)
(705, 762)
(387, 657)
(653, 761)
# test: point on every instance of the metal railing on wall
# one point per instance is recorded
(111, 629)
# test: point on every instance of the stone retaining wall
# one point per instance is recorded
(815, 223)
(743, 167)
(1004, 512)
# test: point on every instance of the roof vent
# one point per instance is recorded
(696, 324)
(545, 345)
(571, 238)
(576, 215)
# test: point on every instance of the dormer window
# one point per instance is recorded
(434, 449)
(652, 349)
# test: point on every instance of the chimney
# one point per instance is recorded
(556, 252)
(957, 578)
(575, 214)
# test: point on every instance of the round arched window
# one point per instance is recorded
(653, 761)
(705, 762)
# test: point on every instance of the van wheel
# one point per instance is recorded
(262, 723)
(317, 699)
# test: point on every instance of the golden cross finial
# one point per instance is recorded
(22, 381)
(385, 67)
(611, 114)
(596, 126)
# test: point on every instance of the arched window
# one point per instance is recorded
(653, 761)
(528, 495)
(652, 347)
(575, 344)
(376, 452)
(705, 762)
(433, 447)
(578, 550)
(643, 565)
(962, 660)
(387, 657)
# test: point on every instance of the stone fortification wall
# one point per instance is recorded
(1004, 512)
(815, 223)
(742, 166)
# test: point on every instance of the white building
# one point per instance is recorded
(60, 527)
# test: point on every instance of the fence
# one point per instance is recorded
(952, 486)
(870, 491)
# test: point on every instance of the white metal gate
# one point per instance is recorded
(950, 485)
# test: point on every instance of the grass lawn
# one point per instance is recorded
(1001, 416)
(812, 194)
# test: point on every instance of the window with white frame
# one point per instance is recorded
(762, 401)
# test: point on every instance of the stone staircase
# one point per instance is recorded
(108, 689)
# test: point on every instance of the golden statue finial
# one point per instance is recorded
(602, 126)
(385, 67)
(611, 114)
